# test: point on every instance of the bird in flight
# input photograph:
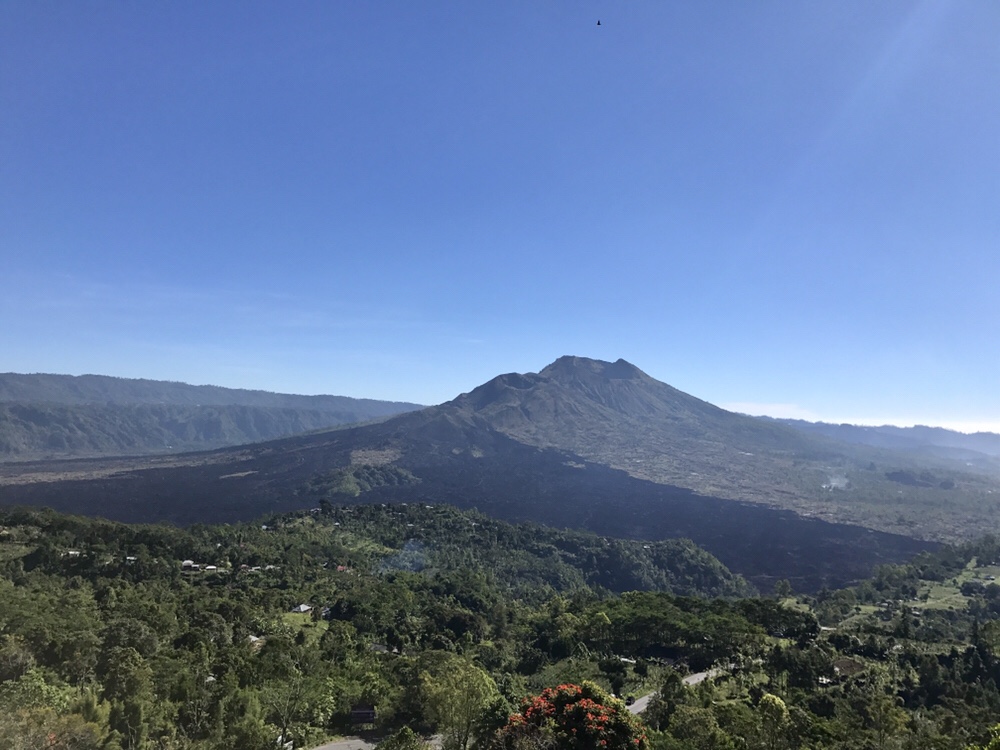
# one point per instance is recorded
(598, 21)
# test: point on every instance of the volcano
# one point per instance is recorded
(582, 443)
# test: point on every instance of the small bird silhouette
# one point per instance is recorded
(598, 21)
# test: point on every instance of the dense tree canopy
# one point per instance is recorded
(224, 638)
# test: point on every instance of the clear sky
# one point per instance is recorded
(783, 207)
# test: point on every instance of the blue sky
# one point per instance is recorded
(782, 207)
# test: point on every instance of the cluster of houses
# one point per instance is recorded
(75, 554)
(190, 566)
(889, 606)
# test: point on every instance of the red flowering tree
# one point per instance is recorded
(573, 717)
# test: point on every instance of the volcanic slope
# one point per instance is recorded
(583, 444)
(617, 415)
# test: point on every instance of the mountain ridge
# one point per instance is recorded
(58, 416)
(953, 443)
(102, 389)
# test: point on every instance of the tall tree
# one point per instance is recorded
(456, 698)
(775, 722)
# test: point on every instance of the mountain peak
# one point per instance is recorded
(566, 380)
(570, 367)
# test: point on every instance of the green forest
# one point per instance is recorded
(407, 622)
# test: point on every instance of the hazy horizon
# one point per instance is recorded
(775, 411)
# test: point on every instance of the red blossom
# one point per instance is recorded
(585, 722)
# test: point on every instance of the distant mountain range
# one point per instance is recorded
(50, 416)
(979, 449)
(584, 444)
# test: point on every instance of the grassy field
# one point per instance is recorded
(14, 550)
(947, 594)
(931, 595)
(303, 622)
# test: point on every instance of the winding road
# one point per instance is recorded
(642, 703)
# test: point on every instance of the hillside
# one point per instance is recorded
(223, 637)
(527, 561)
(51, 416)
(288, 622)
(617, 415)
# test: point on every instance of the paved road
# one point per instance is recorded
(348, 743)
(694, 679)
(357, 743)
(642, 703)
